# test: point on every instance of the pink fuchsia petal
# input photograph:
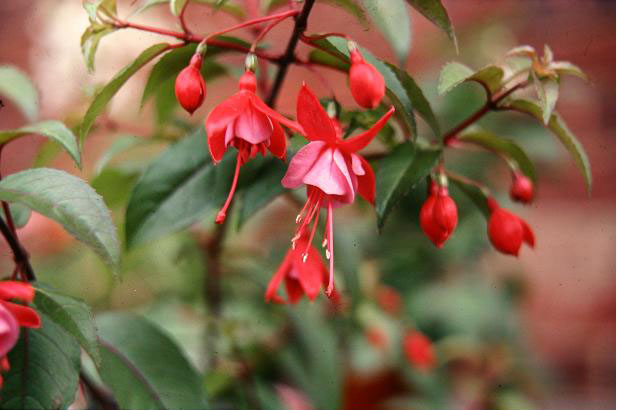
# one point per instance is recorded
(356, 164)
(252, 126)
(366, 182)
(275, 116)
(278, 142)
(301, 164)
(9, 331)
(357, 142)
(25, 316)
(313, 118)
(16, 290)
(350, 178)
(326, 175)
(223, 114)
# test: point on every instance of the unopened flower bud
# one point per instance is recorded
(190, 85)
(507, 231)
(248, 81)
(419, 350)
(439, 215)
(522, 188)
(365, 82)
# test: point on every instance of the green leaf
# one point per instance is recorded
(398, 173)
(176, 6)
(44, 369)
(69, 201)
(233, 9)
(144, 368)
(177, 189)
(548, 92)
(566, 68)
(20, 213)
(265, 187)
(563, 133)
(119, 145)
(510, 149)
(104, 95)
(54, 130)
(453, 74)
(90, 42)
(17, 87)
(475, 194)
(351, 7)
(392, 20)
(115, 185)
(417, 98)
(437, 14)
(107, 7)
(72, 315)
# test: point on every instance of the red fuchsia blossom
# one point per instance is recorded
(507, 231)
(330, 168)
(438, 215)
(419, 350)
(365, 82)
(389, 300)
(13, 315)
(522, 188)
(245, 122)
(190, 85)
(303, 272)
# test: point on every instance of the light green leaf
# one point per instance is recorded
(107, 7)
(90, 42)
(453, 74)
(503, 146)
(522, 51)
(351, 7)
(72, 315)
(119, 145)
(44, 369)
(437, 14)
(563, 133)
(176, 6)
(398, 173)
(393, 21)
(18, 88)
(54, 130)
(20, 214)
(69, 201)
(177, 189)
(233, 9)
(104, 95)
(143, 366)
(566, 68)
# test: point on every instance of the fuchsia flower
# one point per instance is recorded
(419, 350)
(245, 122)
(13, 315)
(303, 272)
(330, 168)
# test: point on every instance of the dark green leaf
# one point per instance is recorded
(502, 146)
(563, 133)
(69, 201)
(398, 173)
(475, 194)
(453, 74)
(177, 189)
(115, 185)
(392, 20)
(44, 369)
(72, 315)
(144, 368)
(55, 130)
(18, 88)
(105, 95)
(437, 14)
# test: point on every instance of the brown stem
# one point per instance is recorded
(490, 105)
(289, 56)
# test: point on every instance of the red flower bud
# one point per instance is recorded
(507, 231)
(419, 350)
(522, 188)
(366, 83)
(190, 85)
(389, 300)
(438, 216)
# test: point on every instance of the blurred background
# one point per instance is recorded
(533, 332)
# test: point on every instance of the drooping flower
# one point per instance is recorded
(245, 122)
(303, 272)
(419, 350)
(330, 168)
(507, 231)
(522, 188)
(438, 215)
(367, 85)
(190, 85)
(13, 315)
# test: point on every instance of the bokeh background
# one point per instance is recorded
(555, 304)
